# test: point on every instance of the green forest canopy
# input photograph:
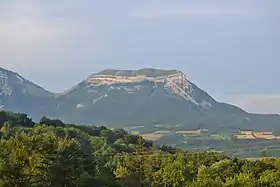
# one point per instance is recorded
(51, 153)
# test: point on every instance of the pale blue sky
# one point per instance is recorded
(230, 48)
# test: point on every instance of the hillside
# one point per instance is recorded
(121, 98)
(51, 155)
(19, 94)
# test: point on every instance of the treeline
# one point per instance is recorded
(41, 155)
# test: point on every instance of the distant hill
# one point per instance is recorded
(128, 98)
(19, 94)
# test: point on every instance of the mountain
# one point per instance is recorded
(121, 98)
(19, 94)
(128, 97)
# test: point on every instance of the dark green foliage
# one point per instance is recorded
(16, 119)
(54, 122)
(55, 155)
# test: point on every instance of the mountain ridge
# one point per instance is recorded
(6, 75)
(149, 72)
(129, 97)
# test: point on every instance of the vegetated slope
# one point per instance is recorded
(48, 154)
(120, 98)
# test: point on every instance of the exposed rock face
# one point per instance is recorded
(176, 82)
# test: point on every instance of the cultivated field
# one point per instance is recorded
(257, 135)
(189, 132)
(152, 136)
(245, 136)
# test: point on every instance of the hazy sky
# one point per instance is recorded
(229, 48)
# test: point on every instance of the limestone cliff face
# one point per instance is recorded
(175, 82)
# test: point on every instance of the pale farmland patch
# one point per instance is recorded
(245, 136)
(152, 136)
(135, 132)
(246, 132)
(266, 135)
(162, 132)
(189, 132)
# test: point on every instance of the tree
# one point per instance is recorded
(54, 122)
(176, 171)
(130, 168)
(241, 179)
(264, 153)
(51, 154)
(5, 130)
(270, 178)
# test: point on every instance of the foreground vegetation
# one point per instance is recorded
(52, 153)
